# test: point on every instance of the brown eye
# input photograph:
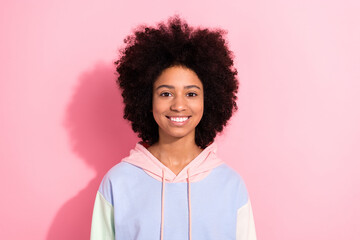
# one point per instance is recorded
(165, 94)
(192, 94)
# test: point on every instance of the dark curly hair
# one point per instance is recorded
(150, 50)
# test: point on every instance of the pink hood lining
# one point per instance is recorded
(199, 167)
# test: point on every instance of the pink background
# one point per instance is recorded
(295, 139)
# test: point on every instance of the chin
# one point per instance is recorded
(176, 135)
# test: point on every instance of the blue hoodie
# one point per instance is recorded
(140, 198)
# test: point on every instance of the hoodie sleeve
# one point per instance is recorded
(245, 226)
(102, 225)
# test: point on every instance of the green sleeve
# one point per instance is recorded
(102, 225)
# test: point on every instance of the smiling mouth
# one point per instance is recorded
(178, 119)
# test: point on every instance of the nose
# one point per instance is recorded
(178, 104)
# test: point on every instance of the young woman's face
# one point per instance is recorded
(178, 103)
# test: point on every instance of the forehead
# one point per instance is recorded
(178, 76)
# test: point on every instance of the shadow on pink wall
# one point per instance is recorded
(100, 136)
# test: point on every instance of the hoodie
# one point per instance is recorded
(140, 198)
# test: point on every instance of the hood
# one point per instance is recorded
(196, 170)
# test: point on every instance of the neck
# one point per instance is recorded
(175, 153)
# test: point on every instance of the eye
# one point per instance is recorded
(165, 94)
(192, 94)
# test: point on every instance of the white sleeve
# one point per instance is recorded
(245, 226)
(102, 225)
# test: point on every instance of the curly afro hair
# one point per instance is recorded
(150, 50)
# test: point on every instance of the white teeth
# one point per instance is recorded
(179, 119)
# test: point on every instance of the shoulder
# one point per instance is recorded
(230, 178)
(227, 173)
(120, 173)
(122, 169)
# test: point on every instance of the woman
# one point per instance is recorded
(179, 89)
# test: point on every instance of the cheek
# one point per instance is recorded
(157, 109)
(198, 108)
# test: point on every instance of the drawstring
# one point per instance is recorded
(162, 203)
(189, 201)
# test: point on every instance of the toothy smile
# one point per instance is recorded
(178, 119)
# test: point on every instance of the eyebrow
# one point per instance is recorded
(172, 87)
